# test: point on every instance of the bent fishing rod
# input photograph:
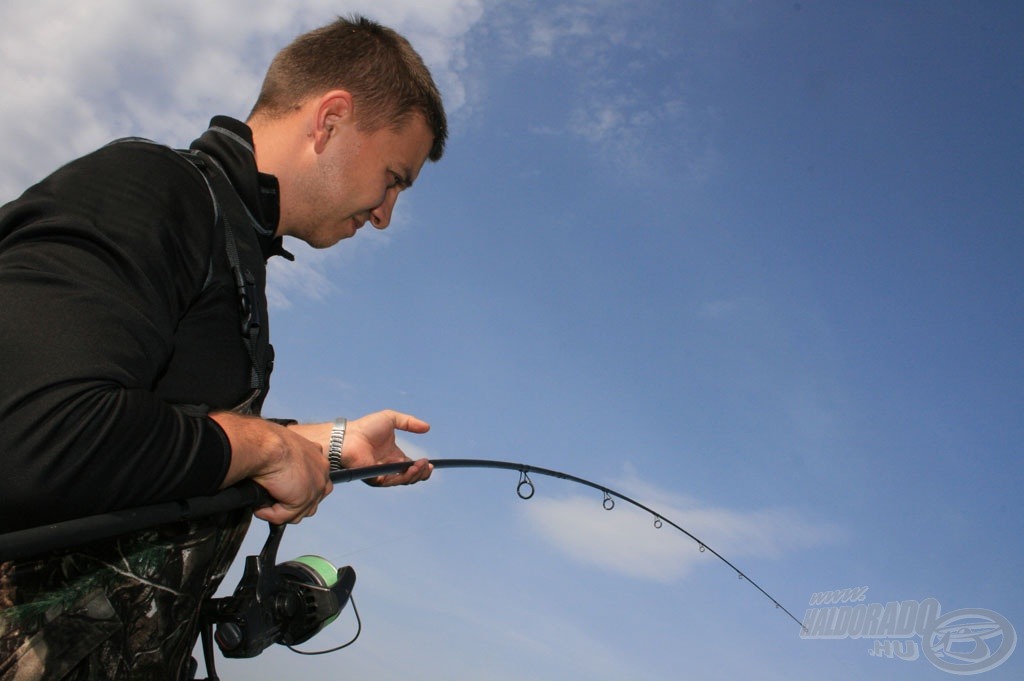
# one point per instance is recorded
(71, 533)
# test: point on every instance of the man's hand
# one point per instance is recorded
(292, 469)
(370, 440)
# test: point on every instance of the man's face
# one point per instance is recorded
(357, 178)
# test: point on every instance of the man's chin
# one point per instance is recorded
(323, 238)
(320, 243)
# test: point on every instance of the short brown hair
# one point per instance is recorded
(387, 78)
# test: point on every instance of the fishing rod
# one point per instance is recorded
(290, 602)
(525, 489)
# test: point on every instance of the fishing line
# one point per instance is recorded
(359, 630)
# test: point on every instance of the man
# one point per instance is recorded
(136, 355)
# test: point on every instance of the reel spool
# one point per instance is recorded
(285, 603)
(314, 611)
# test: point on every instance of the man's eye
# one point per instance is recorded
(396, 181)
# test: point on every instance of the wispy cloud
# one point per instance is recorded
(550, 30)
(306, 278)
(629, 99)
(625, 540)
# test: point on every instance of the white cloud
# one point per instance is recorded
(78, 74)
(625, 540)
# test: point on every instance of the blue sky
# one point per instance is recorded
(757, 265)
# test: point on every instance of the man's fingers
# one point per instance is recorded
(422, 470)
(276, 514)
(280, 514)
(417, 472)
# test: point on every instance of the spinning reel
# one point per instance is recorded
(286, 603)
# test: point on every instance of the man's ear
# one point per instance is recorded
(334, 109)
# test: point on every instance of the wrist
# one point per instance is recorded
(255, 445)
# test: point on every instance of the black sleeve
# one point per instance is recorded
(97, 264)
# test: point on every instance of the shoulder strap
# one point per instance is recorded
(248, 267)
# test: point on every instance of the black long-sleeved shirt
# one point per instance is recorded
(117, 308)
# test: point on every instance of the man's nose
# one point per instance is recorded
(380, 217)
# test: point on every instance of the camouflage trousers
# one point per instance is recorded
(125, 608)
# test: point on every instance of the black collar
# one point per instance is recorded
(230, 143)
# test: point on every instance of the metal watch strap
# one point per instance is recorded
(337, 440)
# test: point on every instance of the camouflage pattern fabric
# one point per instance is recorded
(125, 608)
